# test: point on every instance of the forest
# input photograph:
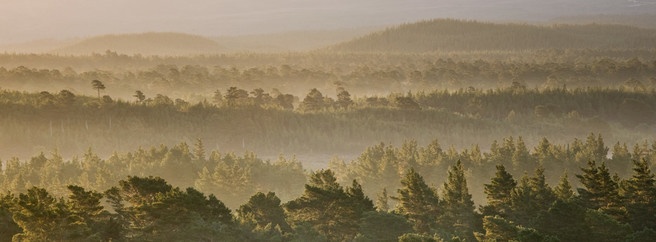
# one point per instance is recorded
(387, 194)
(316, 124)
(433, 130)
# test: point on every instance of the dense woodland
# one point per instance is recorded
(316, 124)
(441, 130)
(387, 194)
(362, 74)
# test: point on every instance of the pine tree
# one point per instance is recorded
(459, 215)
(314, 101)
(640, 194)
(542, 193)
(264, 209)
(98, 85)
(139, 95)
(330, 209)
(418, 202)
(523, 207)
(44, 218)
(600, 191)
(499, 192)
(344, 100)
(564, 190)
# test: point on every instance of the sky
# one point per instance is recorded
(26, 20)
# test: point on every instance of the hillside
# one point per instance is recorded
(145, 44)
(292, 40)
(461, 35)
(638, 20)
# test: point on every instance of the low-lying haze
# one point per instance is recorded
(22, 21)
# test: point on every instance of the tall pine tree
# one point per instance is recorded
(418, 202)
(498, 193)
(640, 196)
(459, 215)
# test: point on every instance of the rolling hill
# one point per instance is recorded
(292, 40)
(638, 20)
(145, 44)
(462, 35)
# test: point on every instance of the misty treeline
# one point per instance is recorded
(459, 35)
(361, 74)
(405, 193)
(268, 123)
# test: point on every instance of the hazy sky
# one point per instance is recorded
(23, 20)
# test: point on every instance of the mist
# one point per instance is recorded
(22, 21)
(328, 121)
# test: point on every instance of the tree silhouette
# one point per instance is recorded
(98, 85)
(140, 96)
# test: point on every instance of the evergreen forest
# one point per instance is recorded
(433, 130)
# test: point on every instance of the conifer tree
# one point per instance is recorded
(264, 209)
(98, 85)
(418, 202)
(459, 215)
(640, 194)
(330, 209)
(499, 193)
(542, 193)
(523, 208)
(564, 190)
(600, 191)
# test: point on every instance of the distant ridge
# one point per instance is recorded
(638, 20)
(463, 35)
(145, 44)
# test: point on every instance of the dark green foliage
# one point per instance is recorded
(603, 227)
(499, 192)
(264, 210)
(640, 196)
(45, 218)
(9, 227)
(564, 190)
(458, 207)
(413, 237)
(565, 220)
(382, 226)
(151, 209)
(645, 235)
(332, 210)
(418, 202)
(601, 191)
(497, 229)
(304, 231)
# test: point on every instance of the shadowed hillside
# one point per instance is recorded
(460, 35)
(145, 44)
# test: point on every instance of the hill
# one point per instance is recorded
(301, 40)
(145, 44)
(462, 35)
(638, 20)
